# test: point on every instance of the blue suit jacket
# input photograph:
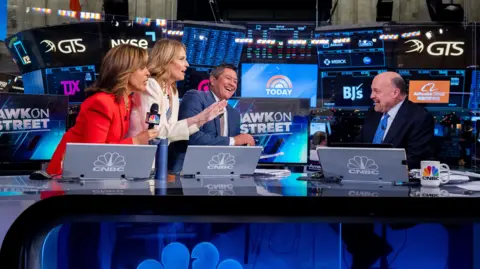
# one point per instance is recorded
(194, 102)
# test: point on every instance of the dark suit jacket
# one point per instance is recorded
(412, 129)
(194, 102)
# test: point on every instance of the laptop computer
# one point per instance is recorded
(358, 145)
(221, 160)
(364, 164)
(108, 161)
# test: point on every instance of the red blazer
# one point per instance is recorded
(102, 119)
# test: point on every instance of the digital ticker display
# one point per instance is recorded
(350, 49)
(436, 87)
(70, 81)
(347, 89)
(20, 48)
(211, 45)
(474, 102)
(280, 49)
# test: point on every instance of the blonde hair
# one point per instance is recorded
(163, 52)
(117, 65)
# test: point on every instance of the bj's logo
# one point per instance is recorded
(353, 92)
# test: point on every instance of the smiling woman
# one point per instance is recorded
(103, 116)
(167, 64)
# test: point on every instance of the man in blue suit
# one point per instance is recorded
(223, 130)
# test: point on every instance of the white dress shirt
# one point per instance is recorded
(225, 121)
(392, 113)
(172, 129)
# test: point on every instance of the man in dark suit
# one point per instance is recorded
(223, 130)
(397, 121)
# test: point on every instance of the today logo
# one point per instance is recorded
(279, 85)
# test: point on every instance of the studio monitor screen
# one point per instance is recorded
(280, 81)
(279, 125)
(436, 87)
(347, 89)
(70, 81)
(31, 126)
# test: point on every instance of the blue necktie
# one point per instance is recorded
(382, 127)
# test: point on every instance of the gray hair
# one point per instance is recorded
(399, 82)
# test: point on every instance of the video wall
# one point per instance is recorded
(334, 67)
(331, 66)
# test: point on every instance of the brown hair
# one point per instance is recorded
(162, 54)
(218, 70)
(117, 65)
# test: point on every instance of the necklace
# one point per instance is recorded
(127, 103)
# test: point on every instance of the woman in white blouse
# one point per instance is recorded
(167, 65)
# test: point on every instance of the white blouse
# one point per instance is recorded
(172, 128)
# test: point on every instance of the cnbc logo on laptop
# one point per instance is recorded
(222, 161)
(362, 165)
(109, 162)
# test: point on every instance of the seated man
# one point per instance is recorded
(223, 130)
(319, 139)
(397, 121)
(403, 124)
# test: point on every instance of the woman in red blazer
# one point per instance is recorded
(105, 116)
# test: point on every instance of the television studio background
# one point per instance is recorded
(326, 52)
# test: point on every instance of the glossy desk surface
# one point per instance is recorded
(21, 187)
(29, 206)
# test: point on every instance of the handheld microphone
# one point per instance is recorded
(153, 118)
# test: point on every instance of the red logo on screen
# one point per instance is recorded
(203, 85)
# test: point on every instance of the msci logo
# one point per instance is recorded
(177, 256)
(353, 92)
(279, 85)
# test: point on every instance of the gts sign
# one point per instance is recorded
(353, 92)
(440, 48)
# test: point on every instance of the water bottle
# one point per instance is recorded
(161, 160)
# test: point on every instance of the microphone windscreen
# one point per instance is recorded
(154, 109)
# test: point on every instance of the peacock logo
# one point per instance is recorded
(430, 173)
(177, 256)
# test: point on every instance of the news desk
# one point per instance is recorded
(33, 213)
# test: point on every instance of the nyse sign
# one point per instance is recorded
(142, 43)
